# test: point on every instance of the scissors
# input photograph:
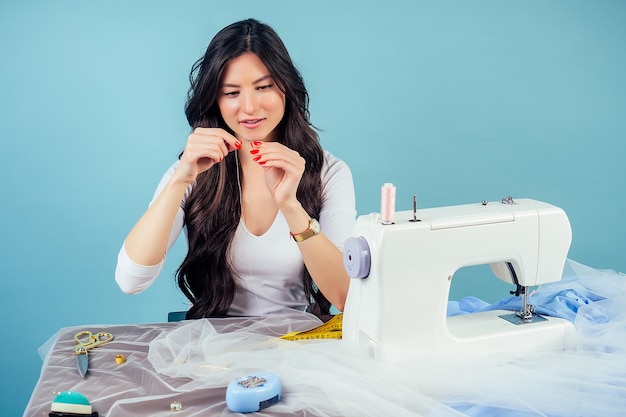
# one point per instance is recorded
(87, 340)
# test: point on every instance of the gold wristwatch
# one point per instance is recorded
(312, 230)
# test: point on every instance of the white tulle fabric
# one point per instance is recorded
(337, 378)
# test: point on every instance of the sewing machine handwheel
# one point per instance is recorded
(356, 257)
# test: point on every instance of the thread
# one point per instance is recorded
(388, 203)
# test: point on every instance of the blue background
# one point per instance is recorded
(455, 101)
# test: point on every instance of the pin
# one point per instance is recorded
(252, 381)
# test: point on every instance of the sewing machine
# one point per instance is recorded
(401, 275)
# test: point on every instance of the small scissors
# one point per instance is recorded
(87, 340)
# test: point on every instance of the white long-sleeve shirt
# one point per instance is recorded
(269, 267)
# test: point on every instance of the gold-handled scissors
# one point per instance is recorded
(87, 340)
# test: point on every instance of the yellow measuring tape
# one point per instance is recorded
(329, 330)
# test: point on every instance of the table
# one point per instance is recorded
(192, 362)
(136, 388)
(132, 388)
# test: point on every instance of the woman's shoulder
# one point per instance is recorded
(335, 172)
(333, 164)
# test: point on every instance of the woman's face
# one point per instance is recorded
(251, 103)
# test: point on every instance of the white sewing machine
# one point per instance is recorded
(401, 275)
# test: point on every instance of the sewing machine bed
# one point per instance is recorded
(192, 362)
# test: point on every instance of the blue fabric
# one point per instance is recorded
(485, 411)
(560, 299)
(586, 380)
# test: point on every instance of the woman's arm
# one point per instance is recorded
(324, 260)
(147, 242)
(133, 277)
(322, 257)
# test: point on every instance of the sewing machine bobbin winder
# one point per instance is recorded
(401, 275)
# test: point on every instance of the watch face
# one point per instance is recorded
(315, 226)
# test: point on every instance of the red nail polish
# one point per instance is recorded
(257, 143)
(238, 145)
(262, 162)
(254, 151)
(256, 158)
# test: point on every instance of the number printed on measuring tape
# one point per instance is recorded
(332, 329)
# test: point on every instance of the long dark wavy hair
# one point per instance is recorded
(213, 209)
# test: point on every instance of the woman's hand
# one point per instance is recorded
(283, 170)
(205, 147)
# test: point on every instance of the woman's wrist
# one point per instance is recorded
(181, 178)
(296, 216)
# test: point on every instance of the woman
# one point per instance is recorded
(249, 187)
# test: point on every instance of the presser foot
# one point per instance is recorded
(519, 318)
(526, 313)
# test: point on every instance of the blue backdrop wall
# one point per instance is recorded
(454, 101)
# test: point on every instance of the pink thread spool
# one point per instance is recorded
(388, 203)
